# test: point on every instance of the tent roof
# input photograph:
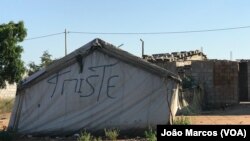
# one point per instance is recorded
(101, 46)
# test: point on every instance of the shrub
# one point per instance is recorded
(85, 136)
(111, 134)
(97, 139)
(182, 120)
(150, 135)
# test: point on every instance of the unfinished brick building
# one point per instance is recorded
(219, 78)
(244, 80)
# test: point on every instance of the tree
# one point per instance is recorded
(33, 68)
(11, 66)
(45, 61)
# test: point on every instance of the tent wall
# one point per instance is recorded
(96, 93)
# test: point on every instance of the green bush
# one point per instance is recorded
(150, 135)
(182, 120)
(85, 136)
(111, 134)
(97, 139)
(188, 82)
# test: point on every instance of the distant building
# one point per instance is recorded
(8, 92)
(218, 78)
(178, 62)
(244, 80)
(176, 56)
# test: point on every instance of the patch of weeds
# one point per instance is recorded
(85, 136)
(97, 139)
(6, 105)
(182, 120)
(111, 134)
(150, 135)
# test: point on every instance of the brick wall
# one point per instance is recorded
(171, 66)
(219, 79)
(248, 79)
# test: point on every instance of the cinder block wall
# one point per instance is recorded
(218, 77)
(220, 81)
(248, 78)
(171, 66)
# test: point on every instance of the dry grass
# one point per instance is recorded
(6, 105)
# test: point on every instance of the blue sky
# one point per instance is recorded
(42, 17)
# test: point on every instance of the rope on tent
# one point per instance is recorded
(169, 106)
(191, 97)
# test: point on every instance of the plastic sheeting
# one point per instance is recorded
(103, 92)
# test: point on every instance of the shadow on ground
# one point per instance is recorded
(243, 108)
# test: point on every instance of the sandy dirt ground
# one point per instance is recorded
(233, 115)
(4, 120)
(220, 120)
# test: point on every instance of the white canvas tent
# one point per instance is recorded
(95, 87)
